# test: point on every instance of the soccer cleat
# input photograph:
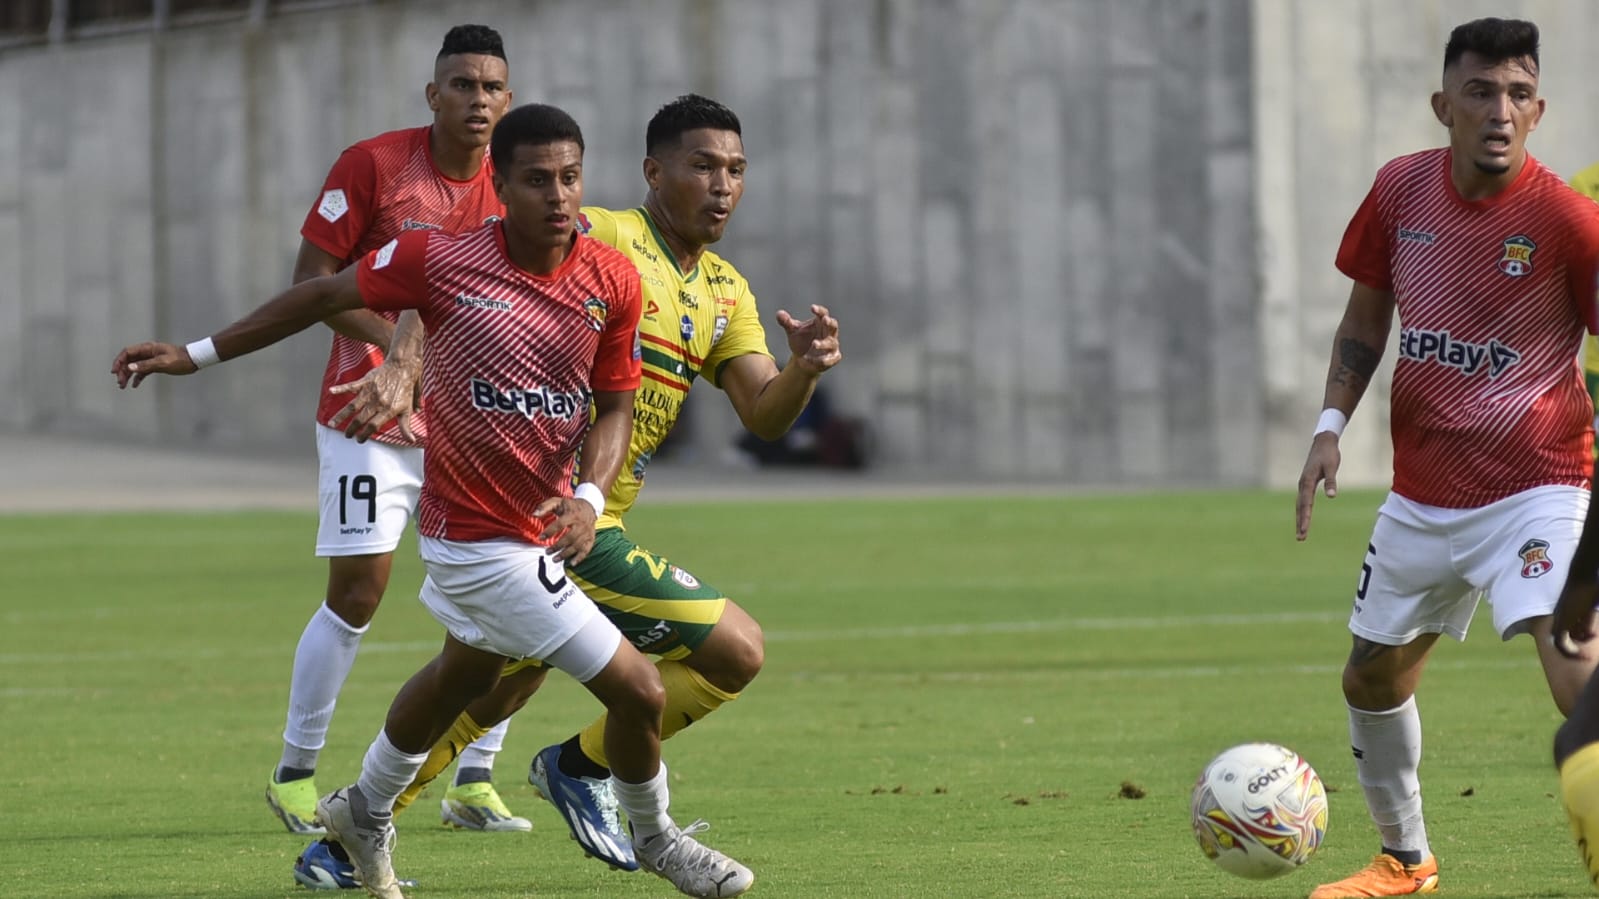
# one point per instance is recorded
(324, 866)
(368, 841)
(1385, 876)
(694, 868)
(294, 802)
(478, 806)
(589, 807)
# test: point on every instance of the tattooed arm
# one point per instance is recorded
(1357, 348)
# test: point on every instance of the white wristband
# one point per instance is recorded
(591, 495)
(203, 353)
(1332, 420)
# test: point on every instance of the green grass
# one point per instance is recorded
(955, 693)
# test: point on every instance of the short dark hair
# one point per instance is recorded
(687, 113)
(478, 39)
(1495, 40)
(535, 124)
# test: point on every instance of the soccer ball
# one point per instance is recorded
(1259, 811)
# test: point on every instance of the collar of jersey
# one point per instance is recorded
(660, 241)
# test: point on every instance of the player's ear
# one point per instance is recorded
(1537, 116)
(652, 172)
(432, 93)
(1440, 109)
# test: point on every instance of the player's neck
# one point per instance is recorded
(687, 254)
(454, 161)
(1474, 184)
(534, 257)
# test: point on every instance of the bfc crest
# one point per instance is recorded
(597, 311)
(1517, 260)
(1535, 558)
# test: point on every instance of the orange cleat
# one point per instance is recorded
(1385, 876)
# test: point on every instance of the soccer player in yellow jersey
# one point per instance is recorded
(699, 321)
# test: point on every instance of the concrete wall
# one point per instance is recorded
(1080, 240)
(1033, 217)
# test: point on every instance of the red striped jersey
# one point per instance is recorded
(1493, 296)
(377, 189)
(509, 365)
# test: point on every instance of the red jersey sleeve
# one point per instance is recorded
(1363, 255)
(344, 209)
(617, 360)
(393, 277)
(1582, 269)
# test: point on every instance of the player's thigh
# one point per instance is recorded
(659, 607)
(1519, 549)
(511, 598)
(1408, 584)
(367, 493)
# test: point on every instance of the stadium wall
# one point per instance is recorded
(1074, 240)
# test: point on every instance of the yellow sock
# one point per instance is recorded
(463, 733)
(689, 697)
(1579, 790)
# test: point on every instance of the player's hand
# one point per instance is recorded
(139, 361)
(570, 527)
(382, 395)
(1320, 465)
(1573, 618)
(812, 343)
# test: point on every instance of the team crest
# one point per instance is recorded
(686, 327)
(583, 223)
(1535, 558)
(1517, 260)
(597, 310)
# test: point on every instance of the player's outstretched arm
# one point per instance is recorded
(390, 391)
(357, 324)
(768, 401)
(1357, 348)
(1573, 617)
(604, 450)
(288, 313)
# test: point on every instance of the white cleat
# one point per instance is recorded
(694, 868)
(368, 840)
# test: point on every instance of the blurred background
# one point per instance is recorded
(1071, 242)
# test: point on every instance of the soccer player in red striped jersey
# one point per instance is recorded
(1490, 260)
(434, 177)
(528, 323)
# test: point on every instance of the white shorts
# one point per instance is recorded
(368, 492)
(1426, 567)
(510, 598)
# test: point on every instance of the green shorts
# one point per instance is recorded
(661, 609)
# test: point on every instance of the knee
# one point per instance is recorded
(354, 597)
(643, 693)
(1371, 689)
(738, 659)
(515, 690)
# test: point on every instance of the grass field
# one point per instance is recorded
(955, 694)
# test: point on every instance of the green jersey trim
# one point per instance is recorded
(660, 241)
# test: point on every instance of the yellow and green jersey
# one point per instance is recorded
(693, 324)
(1586, 182)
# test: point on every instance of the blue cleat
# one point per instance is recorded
(323, 866)
(589, 807)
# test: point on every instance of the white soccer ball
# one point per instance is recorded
(1259, 811)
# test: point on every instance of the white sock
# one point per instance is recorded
(481, 753)
(385, 773)
(645, 804)
(321, 663)
(1387, 748)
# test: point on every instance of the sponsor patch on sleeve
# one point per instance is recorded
(385, 254)
(333, 205)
